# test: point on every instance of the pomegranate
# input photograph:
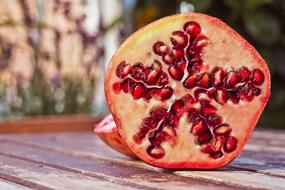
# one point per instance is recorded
(186, 92)
(108, 132)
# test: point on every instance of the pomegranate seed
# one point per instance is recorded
(217, 76)
(194, 66)
(155, 151)
(217, 143)
(153, 92)
(211, 92)
(179, 39)
(173, 120)
(148, 124)
(221, 96)
(147, 94)
(169, 58)
(231, 79)
(194, 53)
(214, 120)
(197, 67)
(243, 95)
(233, 97)
(188, 99)
(138, 91)
(152, 77)
(216, 155)
(244, 74)
(117, 87)
(181, 63)
(231, 144)
(198, 128)
(194, 116)
(204, 138)
(127, 85)
(192, 28)
(165, 93)
(159, 114)
(256, 92)
(178, 53)
(206, 148)
(160, 48)
(176, 73)
(208, 109)
(202, 94)
(155, 141)
(137, 71)
(137, 138)
(162, 136)
(200, 42)
(246, 87)
(257, 77)
(123, 69)
(169, 131)
(204, 80)
(223, 129)
(162, 79)
(177, 106)
(190, 81)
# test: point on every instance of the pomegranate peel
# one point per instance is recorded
(108, 132)
(213, 88)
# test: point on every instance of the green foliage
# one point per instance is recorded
(263, 27)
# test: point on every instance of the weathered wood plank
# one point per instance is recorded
(8, 185)
(235, 177)
(118, 172)
(268, 135)
(85, 141)
(40, 176)
(63, 143)
(255, 158)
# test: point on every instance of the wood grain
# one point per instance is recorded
(4, 184)
(117, 172)
(260, 166)
(40, 176)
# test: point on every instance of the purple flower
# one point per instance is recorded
(56, 79)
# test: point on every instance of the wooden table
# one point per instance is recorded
(81, 161)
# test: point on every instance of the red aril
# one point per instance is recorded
(108, 132)
(186, 92)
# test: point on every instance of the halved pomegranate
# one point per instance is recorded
(108, 132)
(186, 92)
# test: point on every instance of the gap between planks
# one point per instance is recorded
(6, 184)
(39, 176)
(140, 177)
(65, 142)
(130, 162)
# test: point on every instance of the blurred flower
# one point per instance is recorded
(56, 79)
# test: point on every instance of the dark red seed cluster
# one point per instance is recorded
(185, 64)
(212, 134)
(222, 87)
(186, 51)
(143, 82)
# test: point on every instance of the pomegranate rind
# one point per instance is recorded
(125, 111)
(108, 132)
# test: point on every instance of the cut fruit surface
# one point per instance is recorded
(186, 92)
(108, 132)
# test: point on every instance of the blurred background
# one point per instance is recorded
(53, 52)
